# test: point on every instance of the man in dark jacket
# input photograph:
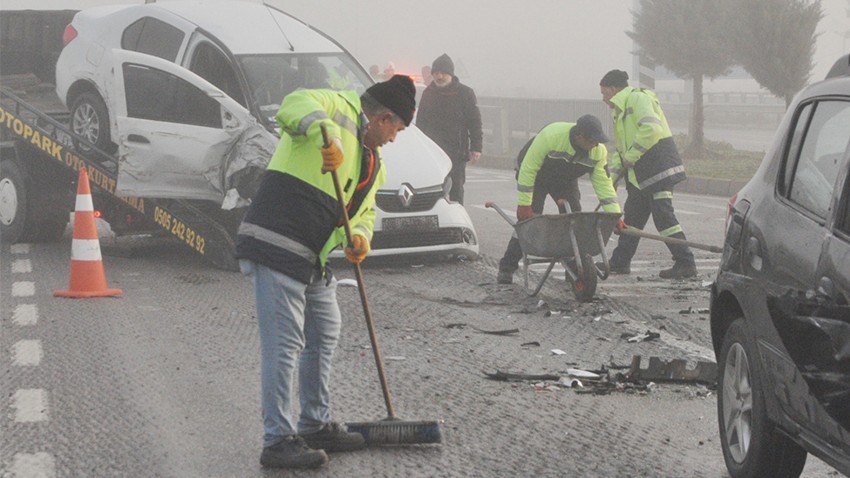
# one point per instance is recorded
(449, 115)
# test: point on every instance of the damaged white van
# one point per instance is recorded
(185, 92)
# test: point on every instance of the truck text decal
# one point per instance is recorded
(42, 141)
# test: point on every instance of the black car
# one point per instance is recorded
(780, 320)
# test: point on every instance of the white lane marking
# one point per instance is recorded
(23, 289)
(488, 180)
(33, 465)
(685, 212)
(20, 248)
(30, 405)
(27, 353)
(25, 314)
(21, 266)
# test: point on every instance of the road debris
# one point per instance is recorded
(520, 377)
(676, 370)
(570, 382)
(530, 344)
(579, 373)
(608, 380)
(496, 332)
(558, 352)
(694, 310)
(346, 283)
(641, 337)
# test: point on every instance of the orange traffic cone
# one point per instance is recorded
(87, 276)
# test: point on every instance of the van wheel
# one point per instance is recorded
(13, 202)
(90, 119)
(752, 446)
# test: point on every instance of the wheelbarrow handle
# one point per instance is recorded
(633, 231)
(491, 204)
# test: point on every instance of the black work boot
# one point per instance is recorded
(616, 269)
(292, 452)
(332, 437)
(505, 277)
(680, 270)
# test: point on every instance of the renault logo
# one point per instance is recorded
(405, 195)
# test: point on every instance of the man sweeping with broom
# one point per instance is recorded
(290, 228)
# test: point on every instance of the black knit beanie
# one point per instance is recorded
(616, 78)
(443, 63)
(398, 94)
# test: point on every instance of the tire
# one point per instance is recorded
(90, 119)
(752, 446)
(13, 202)
(585, 287)
(24, 218)
(48, 230)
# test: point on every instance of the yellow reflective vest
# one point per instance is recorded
(641, 133)
(553, 141)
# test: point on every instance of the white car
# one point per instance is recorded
(186, 93)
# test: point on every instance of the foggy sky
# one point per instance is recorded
(539, 48)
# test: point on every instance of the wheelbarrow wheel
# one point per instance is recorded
(584, 288)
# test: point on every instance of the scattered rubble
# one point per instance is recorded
(694, 310)
(676, 370)
(607, 380)
(641, 337)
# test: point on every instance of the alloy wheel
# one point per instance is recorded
(737, 402)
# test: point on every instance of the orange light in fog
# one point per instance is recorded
(69, 34)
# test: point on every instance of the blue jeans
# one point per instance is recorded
(295, 320)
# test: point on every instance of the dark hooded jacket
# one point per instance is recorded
(450, 117)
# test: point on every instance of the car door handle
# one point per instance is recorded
(137, 138)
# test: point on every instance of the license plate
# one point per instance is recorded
(410, 223)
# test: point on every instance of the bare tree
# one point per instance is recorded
(687, 38)
(774, 40)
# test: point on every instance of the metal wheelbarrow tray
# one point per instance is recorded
(561, 238)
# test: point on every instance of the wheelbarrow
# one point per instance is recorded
(572, 240)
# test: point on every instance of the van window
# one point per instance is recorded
(211, 64)
(159, 96)
(821, 154)
(153, 37)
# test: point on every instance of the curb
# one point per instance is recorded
(692, 185)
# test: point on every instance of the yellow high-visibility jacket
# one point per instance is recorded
(553, 141)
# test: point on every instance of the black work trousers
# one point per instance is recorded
(637, 209)
(552, 180)
(458, 175)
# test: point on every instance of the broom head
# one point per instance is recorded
(392, 431)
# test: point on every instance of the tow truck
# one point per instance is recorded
(40, 159)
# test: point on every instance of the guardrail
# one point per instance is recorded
(509, 122)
